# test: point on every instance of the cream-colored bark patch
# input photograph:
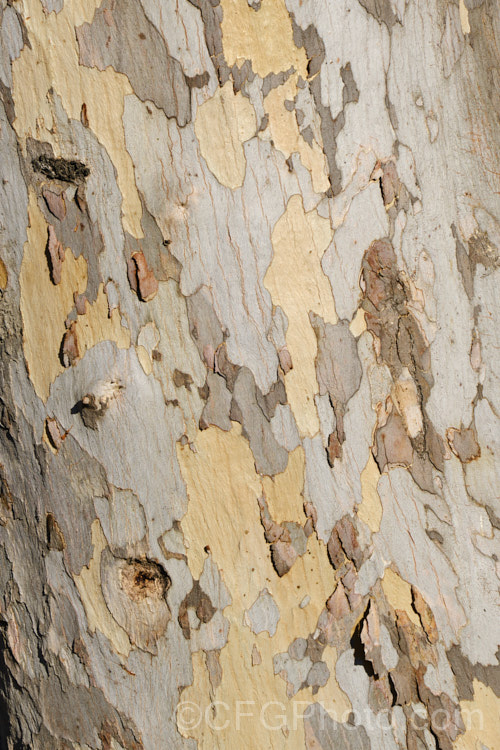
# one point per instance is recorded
(398, 594)
(88, 584)
(284, 131)
(298, 285)
(357, 325)
(407, 400)
(52, 63)
(223, 123)
(144, 359)
(464, 17)
(223, 514)
(480, 717)
(370, 510)
(45, 307)
(265, 37)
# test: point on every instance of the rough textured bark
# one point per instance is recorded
(249, 397)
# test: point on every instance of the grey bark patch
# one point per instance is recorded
(211, 13)
(338, 367)
(318, 675)
(198, 81)
(123, 521)
(350, 92)
(270, 457)
(154, 247)
(338, 370)
(83, 714)
(308, 135)
(122, 36)
(465, 673)
(311, 41)
(273, 80)
(334, 736)
(381, 10)
(297, 649)
(292, 671)
(212, 584)
(53, 6)
(71, 499)
(242, 74)
(218, 406)
(204, 326)
(264, 614)
(314, 46)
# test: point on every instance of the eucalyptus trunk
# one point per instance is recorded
(249, 258)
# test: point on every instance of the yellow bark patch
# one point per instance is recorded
(4, 277)
(480, 717)
(265, 37)
(96, 325)
(223, 514)
(398, 594)
(370, 510)
(284, 491)
(298, 285)
(88, 584)
(45, 307)
(284, 131)
(52, 63)
(223, 123)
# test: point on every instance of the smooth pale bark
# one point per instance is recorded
(249, 394)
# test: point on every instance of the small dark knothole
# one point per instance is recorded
(60, 169)
(142, 579)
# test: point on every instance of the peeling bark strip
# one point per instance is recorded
(249, 392)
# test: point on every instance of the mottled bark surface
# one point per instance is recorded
(249, 256)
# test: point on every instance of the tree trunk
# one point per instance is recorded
(249, 256)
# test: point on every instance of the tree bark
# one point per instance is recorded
(249, 260)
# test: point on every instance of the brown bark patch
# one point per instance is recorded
(141, 278)
(463, 443)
